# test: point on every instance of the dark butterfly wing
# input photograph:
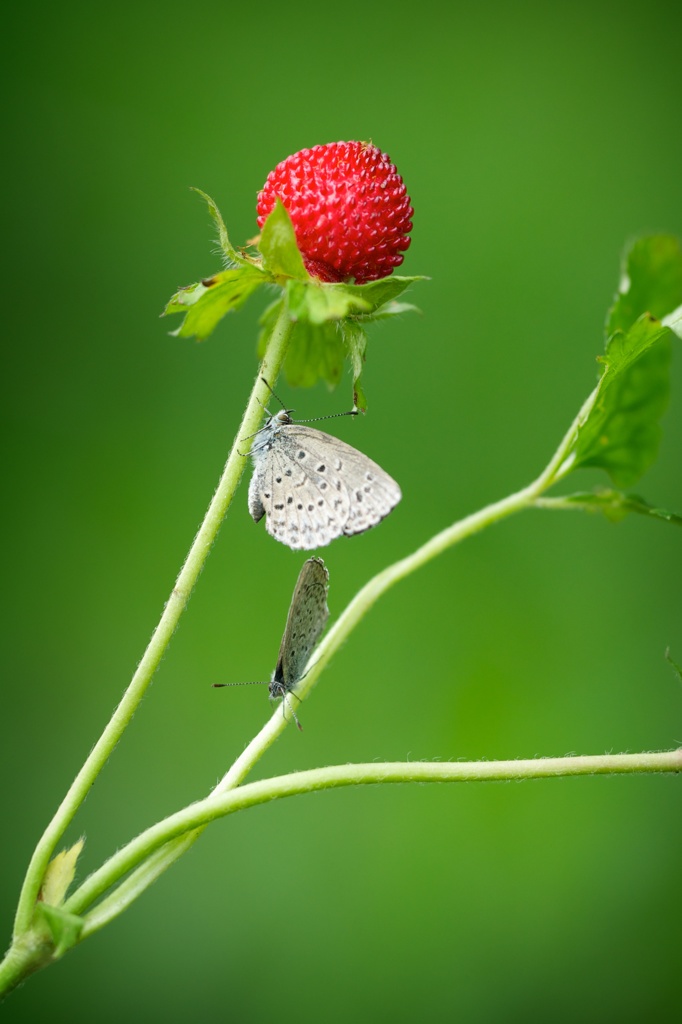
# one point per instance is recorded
(306, 620)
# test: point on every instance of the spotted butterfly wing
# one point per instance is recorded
(306, 620)
(313, 488)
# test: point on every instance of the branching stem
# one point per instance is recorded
(218, 806)
(161, 637)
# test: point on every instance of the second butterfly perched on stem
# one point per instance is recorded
(306, 619)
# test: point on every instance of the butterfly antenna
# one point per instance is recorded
(274, 395)
(331, 416)
(247, 682)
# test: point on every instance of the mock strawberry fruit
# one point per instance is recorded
(349, 207)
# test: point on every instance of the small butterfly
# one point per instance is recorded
(312, 487)
(306, 620)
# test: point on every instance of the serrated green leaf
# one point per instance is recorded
(624, 349)
(281, 256)
(616, 506)
(184, 298)
(228, 249)
(64, 928)
(209, 301)
(622, 432)
(355, 341)
(651, 282)
(59, 874)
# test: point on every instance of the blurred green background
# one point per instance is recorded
(535, 140)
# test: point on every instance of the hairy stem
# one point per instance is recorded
(147, 857)
(213, 807)
(161, 637)
(353, 614)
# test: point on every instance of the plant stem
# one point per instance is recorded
(161, 637)
(352, 615)
(213, 807)
(561, 462)
(150, 854)
(337, 635)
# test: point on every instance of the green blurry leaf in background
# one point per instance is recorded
(651, 282)
(622, 431)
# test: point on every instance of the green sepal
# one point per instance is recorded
(208, 301)
(329, 324)
(64, 928)
(331, 317)
(390, 309)
(355, 341)
(380, 294)
(318, 302)
(616, 506)
(281, 256)
(316, 352)
(229, 251)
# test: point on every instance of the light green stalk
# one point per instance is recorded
(161, 637)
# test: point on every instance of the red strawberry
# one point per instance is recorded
(349, 207)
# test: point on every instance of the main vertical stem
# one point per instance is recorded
(208, 531)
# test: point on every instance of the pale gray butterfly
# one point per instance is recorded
(312, 487)
(306, 620)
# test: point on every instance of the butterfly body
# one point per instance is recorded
(312, 487)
